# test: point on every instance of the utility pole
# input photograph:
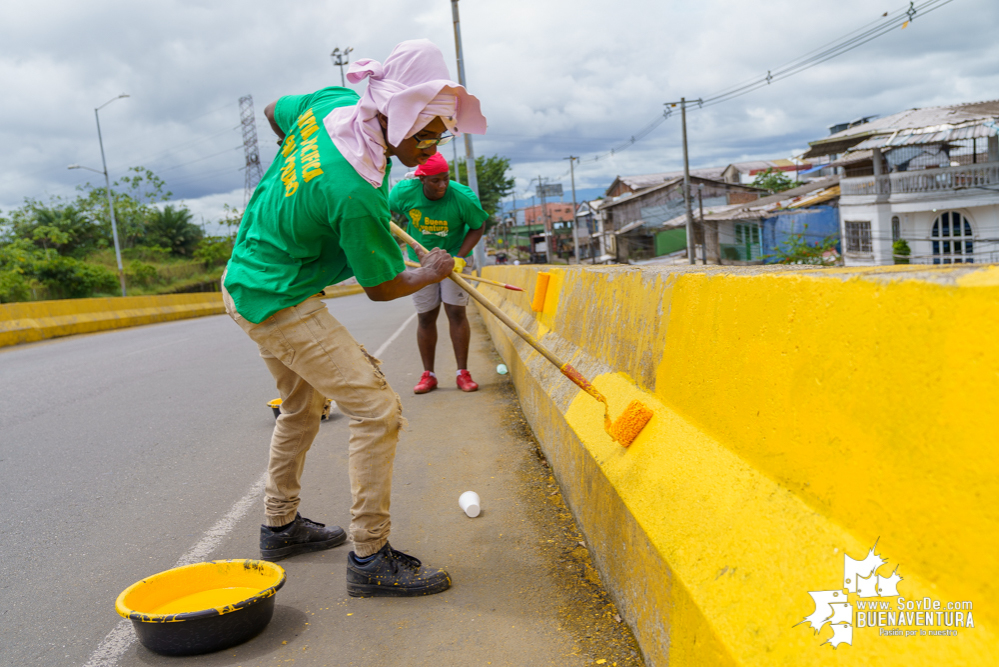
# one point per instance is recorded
(107, 182)
(341, 59)
(704, 230)
(473, 181)
(575, 222)
(254, 172)
(686, 178)
(546, 221)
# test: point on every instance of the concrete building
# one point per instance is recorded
(928, 176)
(633, 221)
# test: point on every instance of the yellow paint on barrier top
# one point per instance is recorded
(744, 548)
(800, 415)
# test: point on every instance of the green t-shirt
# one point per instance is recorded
(437, 224)
(312, 221)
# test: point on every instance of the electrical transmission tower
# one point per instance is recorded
(254, 172)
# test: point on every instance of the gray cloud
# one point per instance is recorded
(555, 78)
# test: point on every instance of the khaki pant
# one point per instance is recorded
(313, 357)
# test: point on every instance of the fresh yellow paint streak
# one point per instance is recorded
(798, 414)
(210, 599)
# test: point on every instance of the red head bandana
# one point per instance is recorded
(436, 164)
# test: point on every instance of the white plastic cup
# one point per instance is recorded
(469, 503)
(501, 369)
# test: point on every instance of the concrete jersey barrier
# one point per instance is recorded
(816, 435)
(39, 320)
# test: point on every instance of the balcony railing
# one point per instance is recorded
(924, 180)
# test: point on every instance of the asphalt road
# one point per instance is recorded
(121, 451)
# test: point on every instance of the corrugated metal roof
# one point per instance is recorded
(762, 208)
(944, 120)
(817, 198)
(649, 180)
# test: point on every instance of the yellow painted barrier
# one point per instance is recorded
(39, 320)
(801, 417)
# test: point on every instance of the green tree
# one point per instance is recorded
(68, 278)
(774, 181)
(171, 228)
(493, 183)
(56, 225)
(133, 196)
(901, 250)
(17, 266)
(797, 250)
(215, 251)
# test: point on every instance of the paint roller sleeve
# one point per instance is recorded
(630, 423)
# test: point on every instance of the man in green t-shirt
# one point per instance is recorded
(319, 216)
(441, 214)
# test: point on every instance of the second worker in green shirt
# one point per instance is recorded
(447, 215)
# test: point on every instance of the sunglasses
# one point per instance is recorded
(427, 143)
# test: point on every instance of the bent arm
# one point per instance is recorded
(471, 238)
(435, 266)
(269, 114)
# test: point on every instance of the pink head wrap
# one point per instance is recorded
(435, 164)
(410, 88)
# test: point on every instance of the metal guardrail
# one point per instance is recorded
(924, 180)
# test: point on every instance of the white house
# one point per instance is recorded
(929, 176)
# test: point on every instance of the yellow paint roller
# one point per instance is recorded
(632, 420)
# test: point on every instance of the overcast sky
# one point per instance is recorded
(556, 78)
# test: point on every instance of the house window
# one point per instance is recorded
(858, 236)
(896, 231)
(953, 242)
(747, 243)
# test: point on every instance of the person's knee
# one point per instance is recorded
(455, 314)
(428, 320)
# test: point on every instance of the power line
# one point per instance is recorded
(813, 58)
(202, 159)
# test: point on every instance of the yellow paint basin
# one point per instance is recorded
(202, 607)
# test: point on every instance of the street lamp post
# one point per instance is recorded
(341, 58)
(107, 182)
(473, 180)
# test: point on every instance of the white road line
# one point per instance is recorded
(122, 636)
(398, 332)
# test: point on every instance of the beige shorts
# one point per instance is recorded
(447, 291)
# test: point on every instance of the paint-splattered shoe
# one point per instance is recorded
(302, 536)
(392, 573)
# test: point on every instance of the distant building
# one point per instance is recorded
(556, 212)
(746, 172)
(633, 221)
(929, 176)
(755, 232)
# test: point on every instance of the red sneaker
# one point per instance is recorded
(465, 382)
(427, 383)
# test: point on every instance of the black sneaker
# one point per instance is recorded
(302, 536)
(392, 573)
